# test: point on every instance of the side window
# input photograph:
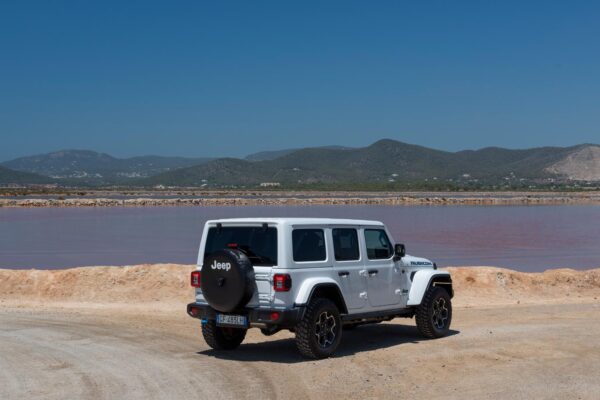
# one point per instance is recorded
(308, 244)
(345, 244)
(378, 244)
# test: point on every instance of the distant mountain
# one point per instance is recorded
(9, 176)
(273, 154)
(582, 164)
(92, 167)
(389, 161)
(386, 162)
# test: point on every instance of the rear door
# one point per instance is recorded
(259, 244)
(349, 264)
(379, 264)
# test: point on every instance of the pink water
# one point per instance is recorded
(527, 238)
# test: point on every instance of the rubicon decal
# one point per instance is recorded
(224, 266)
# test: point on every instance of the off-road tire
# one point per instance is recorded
(221, 338)
(307, 341)
(431, 323)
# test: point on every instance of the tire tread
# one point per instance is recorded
(215, 339)
(304, 342)
(423, 317)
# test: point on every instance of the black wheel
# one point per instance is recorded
(435, 313)
(222, 338)
(318, 334)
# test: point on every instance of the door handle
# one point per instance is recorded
(373, 272)
(343, 274)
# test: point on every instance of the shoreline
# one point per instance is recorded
(308, 199)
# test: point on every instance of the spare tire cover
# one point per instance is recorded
(227, 280)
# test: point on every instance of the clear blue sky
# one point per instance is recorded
(212, 78)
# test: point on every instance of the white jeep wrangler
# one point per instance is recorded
(314, 277)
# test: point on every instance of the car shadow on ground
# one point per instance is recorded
(361, 339)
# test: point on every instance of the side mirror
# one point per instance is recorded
(399, 251)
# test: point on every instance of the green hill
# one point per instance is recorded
(90, 167)
(273, 154)
(384, 162)
(10, 177)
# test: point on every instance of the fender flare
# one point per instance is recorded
(308, 287)
(420, 283)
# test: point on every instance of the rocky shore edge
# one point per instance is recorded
(304, 201)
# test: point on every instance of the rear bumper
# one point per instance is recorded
(285, 318)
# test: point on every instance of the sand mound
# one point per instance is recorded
(152, 285)
(481, 286)
(166, 286)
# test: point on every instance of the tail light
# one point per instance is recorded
(195, 279)
(282, 282)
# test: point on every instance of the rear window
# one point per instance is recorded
(259, 244)
(309, 244)
(345, 244)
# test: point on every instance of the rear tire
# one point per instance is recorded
(434, 315)
(222, 338)
(319, 332)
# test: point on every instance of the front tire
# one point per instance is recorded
(319, 332)
(222, 338)
(434, 315)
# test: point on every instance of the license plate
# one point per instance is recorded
(232, 320)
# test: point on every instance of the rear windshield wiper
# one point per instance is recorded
(253, 256)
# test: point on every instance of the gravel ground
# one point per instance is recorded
(518, 352)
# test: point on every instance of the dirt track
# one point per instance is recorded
(536, 351)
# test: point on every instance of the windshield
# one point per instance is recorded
(258, 243)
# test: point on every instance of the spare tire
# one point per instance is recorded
(227, 280)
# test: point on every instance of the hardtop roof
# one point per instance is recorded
(296, 221)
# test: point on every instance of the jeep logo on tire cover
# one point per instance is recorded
(224, 265)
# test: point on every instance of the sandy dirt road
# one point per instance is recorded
(519, 352)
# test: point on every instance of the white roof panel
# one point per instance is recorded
(296, 221)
